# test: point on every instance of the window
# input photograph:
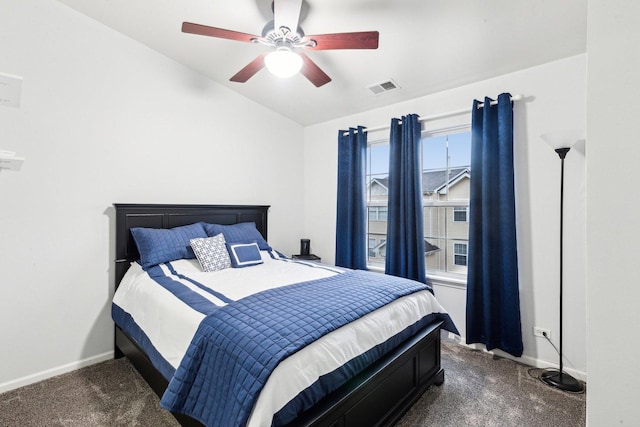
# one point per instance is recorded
(460, 213)
(372, 245)
(460, 254)
(377, 213)
(446, 174)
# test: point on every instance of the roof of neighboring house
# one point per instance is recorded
(428, 247)
(384, 182)
(432, 180)
(455, 176)
(436, 179)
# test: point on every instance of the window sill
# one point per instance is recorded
(375, 268)
(457, 281)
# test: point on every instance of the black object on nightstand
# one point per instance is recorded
(310, 257)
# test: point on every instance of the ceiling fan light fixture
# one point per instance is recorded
(283, 63)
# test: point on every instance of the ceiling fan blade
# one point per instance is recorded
(286, 13)
(312, 72)
(203, 30)
(249, 70)
(358, 40)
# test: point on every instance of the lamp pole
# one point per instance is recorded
(558, 378)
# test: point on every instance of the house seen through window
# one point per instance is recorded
(446, 175)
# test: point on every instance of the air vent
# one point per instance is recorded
(386, 86)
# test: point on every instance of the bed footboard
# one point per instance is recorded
(378, 396)
(381, 395)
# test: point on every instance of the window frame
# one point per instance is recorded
(458, 209)
(444, 277)
(465, 254)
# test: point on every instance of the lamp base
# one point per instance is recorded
(561, 380)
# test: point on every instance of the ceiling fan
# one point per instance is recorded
(287, 40)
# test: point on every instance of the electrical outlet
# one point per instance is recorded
(541, 332)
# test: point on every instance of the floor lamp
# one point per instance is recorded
(561, 142)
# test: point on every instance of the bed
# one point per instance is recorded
(377, 396)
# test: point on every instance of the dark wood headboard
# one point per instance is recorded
(169, 216)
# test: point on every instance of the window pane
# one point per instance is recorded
(372, 244)
(459, 150)
(382, 213)
(377, 174)
(460, 249)
(434, 153)
(446, 179)
(378, 160)
(460, 260)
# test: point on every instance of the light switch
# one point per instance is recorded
(10, 90)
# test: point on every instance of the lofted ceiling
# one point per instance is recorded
(426, 46)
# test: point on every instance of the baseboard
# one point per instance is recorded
(527, 360)
(537, 363)
(49, 373)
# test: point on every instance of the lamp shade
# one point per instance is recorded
(283, 63)
(562, 138)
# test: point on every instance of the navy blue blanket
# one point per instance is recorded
(237, 347)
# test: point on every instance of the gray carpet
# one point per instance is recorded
(479, 390)
(111, 393)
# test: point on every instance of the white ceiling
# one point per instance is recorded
(426, 46)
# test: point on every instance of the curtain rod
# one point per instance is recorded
(441, 115)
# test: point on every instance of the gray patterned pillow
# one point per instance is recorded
(211, 252)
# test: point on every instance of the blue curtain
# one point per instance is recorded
(405, 225)
(351, 221)
(493, 301)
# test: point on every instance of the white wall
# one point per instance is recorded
(613, 233)
(104, 119)
(555, 100)
(117, 113)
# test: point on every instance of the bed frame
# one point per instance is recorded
(378, 396)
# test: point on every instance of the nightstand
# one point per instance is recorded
(310, 257)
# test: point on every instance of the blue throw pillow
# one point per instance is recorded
(243, 232)
(158, 245)
(244, 254)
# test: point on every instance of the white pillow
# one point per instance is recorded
(211, 252)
